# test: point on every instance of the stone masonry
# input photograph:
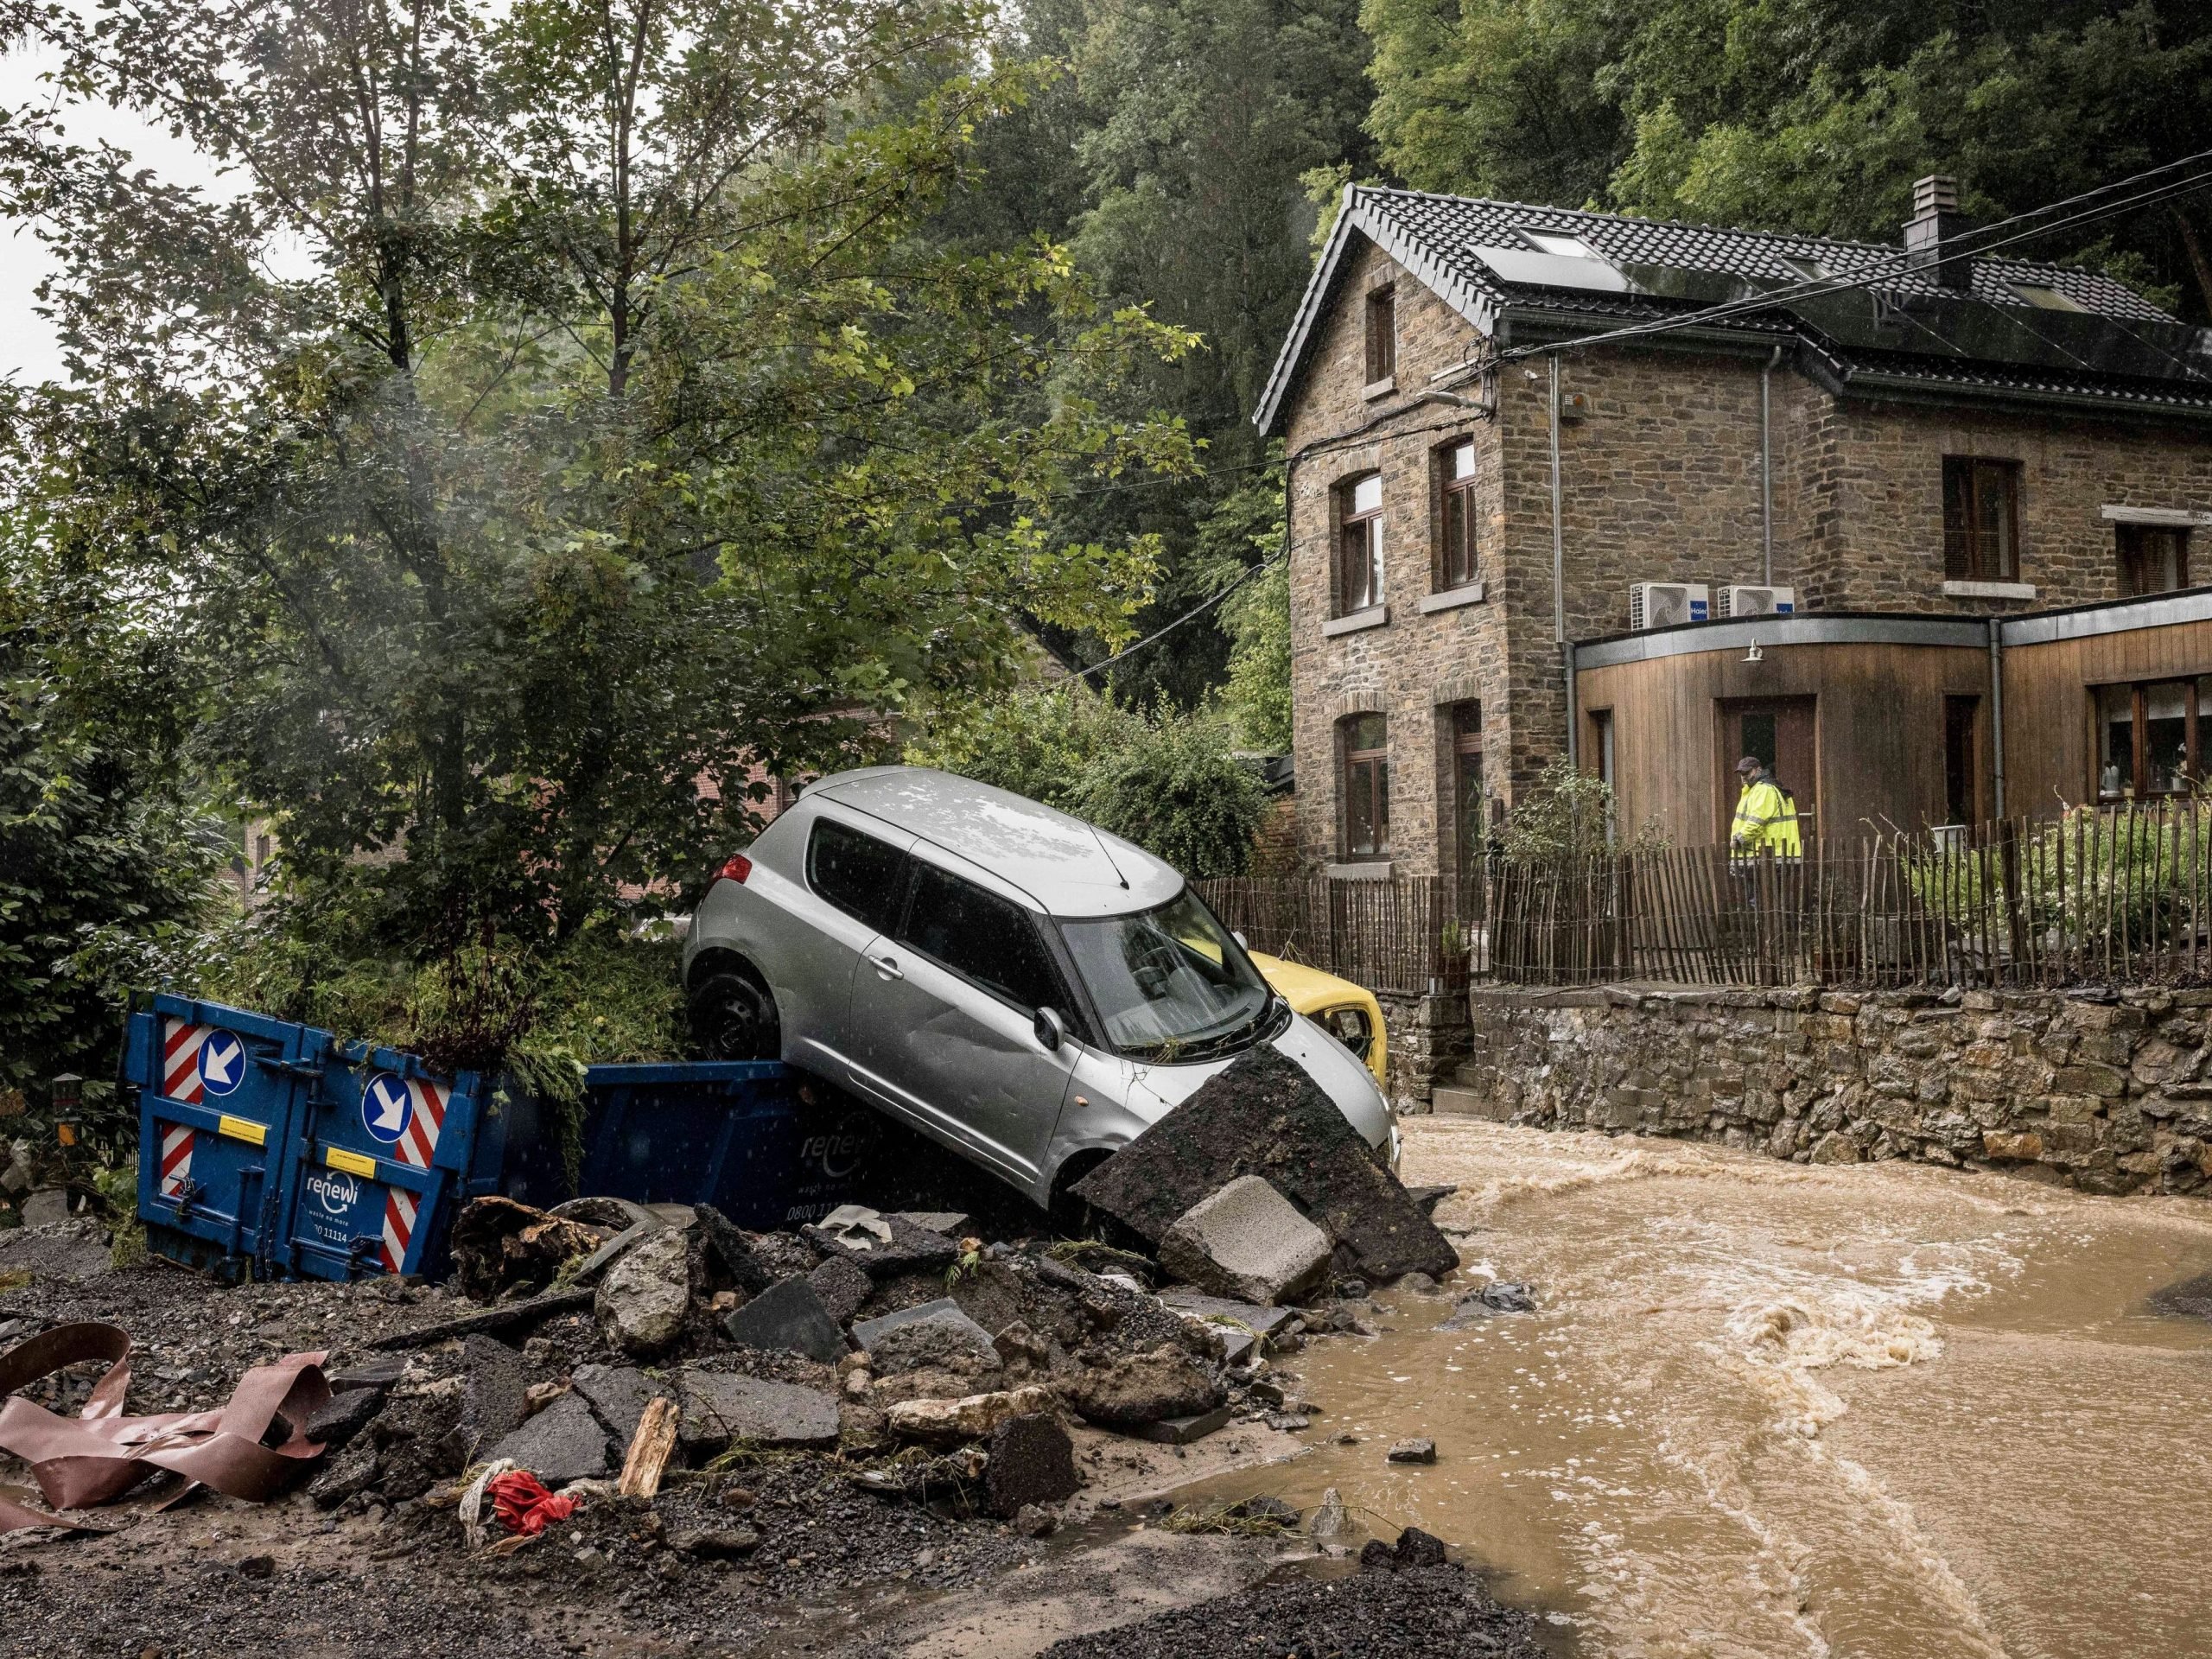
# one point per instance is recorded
(1660, 481)
(2105, 1092)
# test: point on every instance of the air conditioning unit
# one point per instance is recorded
(1664, 604)
(1758, 601)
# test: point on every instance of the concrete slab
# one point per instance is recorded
(1246, 1241)
(1181, 1431)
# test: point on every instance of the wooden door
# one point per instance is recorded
(1782, 732)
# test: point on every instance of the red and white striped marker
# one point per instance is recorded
(176, 1160)
(399, 1210)
(180, 1042)
(418, 1143)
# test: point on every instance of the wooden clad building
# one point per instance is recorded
(1880, 722)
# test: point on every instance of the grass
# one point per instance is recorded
(1235, 1520)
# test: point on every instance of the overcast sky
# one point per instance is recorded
(27, 345)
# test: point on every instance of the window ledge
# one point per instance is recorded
(1989, 590)
(1365, 869)
(1381, 387)
(1452, 598)
(2174, 515)
(1373, 617)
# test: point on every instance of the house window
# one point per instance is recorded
(1960, 775)
(1467, 813)
(1382, 333)
(1981, 519)
(1367, 787)
(2147, 738)
(2153, 558)
(1455, 560)
(1359, 543)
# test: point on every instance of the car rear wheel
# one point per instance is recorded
(733, 1018)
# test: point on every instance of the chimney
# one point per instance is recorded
(1936, 230)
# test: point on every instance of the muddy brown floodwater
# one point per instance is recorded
(1882, 1410)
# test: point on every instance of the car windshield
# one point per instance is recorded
(1170, 984)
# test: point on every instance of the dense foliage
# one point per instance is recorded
(1170, 781)
(1808, 115)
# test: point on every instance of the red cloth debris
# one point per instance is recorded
(524, 1505)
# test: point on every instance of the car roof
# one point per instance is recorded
(1070, 867)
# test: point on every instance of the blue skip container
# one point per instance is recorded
(276, 1149)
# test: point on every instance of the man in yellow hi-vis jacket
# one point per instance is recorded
(1766, 819)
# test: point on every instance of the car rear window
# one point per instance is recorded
(989, 939)
(862, 876)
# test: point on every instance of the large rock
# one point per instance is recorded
(719, 1408)
(942, 1335)
(1133, 1389)
(1262, 1116)
(643, 1300)
(788, 1316)
(1247, 1243)
(1033, 1461)
(1239, 1327)
(564, 1442)
(971, 1418)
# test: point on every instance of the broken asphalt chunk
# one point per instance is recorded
(1181, 1431)
(841, 1287)
(1033, 1461)
(788, 1315)
(941, 1332)
(617, 1395)
(1263, 1115)
(909, 1250)
(1133, 1389)
(564, 1442)
(720, 1408)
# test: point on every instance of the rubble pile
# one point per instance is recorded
(648, 1397)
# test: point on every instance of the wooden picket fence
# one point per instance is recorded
(1409, 936)
(2098, 896)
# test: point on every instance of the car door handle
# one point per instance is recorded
(885, 967)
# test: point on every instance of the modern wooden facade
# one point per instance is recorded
(1883, 723)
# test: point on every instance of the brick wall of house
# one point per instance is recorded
(1661, 482)
(1411, 670)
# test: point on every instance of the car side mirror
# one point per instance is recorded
(1052, 1030)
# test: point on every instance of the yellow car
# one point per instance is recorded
(1348, 1014)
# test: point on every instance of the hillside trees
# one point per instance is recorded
(610, 428)
(1811, 115)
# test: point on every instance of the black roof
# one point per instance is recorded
(2088, 340)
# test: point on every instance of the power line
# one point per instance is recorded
(1195, 611)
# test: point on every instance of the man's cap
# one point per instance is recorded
(1749, 763)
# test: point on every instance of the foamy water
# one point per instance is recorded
(1767, 1409)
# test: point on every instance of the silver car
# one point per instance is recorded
(1024, 988)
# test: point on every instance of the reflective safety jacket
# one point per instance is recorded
(1766, 821)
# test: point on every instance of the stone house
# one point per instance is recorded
(1923, 436)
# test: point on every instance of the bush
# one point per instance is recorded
(1570, 813)
(1170, 782)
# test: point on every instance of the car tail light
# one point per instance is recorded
(736, 869)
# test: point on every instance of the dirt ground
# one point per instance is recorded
(839, 1571)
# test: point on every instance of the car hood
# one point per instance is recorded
(1339, 1072)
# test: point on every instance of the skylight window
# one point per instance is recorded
(2045, 298)
(1567, 247)
(1811, 269)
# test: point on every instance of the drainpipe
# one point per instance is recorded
(1766, 460)
(1997, 713)
(1559, 572)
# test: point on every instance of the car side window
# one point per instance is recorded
(991, 940)
(861, 875)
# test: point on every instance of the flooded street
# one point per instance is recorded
(1885, 1410)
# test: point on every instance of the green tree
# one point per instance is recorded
(1171, 782)
(1810, 115)
(625, 431)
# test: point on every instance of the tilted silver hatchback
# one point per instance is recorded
(1022, 986)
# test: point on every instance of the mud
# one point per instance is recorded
(1765, 1409)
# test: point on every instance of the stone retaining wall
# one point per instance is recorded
(1428, 1037)
(2106, 1092)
